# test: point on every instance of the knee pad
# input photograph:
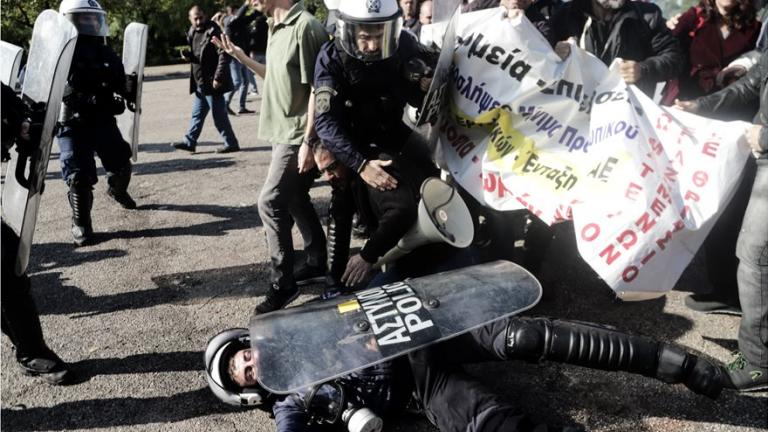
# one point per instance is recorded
(80, 182)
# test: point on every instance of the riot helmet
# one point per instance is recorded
(88, 17)
(369, 30)
(218, 354)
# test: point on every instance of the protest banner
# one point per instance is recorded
(570, 139)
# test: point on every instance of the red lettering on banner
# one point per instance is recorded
(590, 231)
(633, 189)
(630, 273)
(646, 169)
(645, 223)
(610, 254)
(658, 206)
(700, 178)
(691, 196)
(679, 157)
(627, 239)
(710, 148)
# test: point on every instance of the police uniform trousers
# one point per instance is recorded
(79, 141)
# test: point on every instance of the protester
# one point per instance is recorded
(632, 31)
(237, 29)
(209, 81)
(425, 13)
(20, 320)
(749, 370)
(534, 15)
(451, 399)
(287, 121)
(714, 33)
(96, 91)
(410, 15)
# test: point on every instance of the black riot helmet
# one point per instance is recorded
(218, 353)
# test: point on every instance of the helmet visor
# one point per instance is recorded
(370, 42)
(90, 23)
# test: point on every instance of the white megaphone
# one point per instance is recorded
(443, 217)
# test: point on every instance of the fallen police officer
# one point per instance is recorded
(451, 400)
(434, 379)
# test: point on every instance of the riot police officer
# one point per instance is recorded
(451, 399)
(363, 80)
(97, 90)
(20, 320)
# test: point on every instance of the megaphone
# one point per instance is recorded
(443, 217)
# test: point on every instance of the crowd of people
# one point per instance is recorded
(334, 96)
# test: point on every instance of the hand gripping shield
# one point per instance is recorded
(134, 56)
(10, 60)
(50, 56)
(314, 343)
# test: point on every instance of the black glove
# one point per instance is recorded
(416, 69)
(131, 88)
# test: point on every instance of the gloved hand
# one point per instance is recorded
(131, 88)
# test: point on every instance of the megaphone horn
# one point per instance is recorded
(443, 217)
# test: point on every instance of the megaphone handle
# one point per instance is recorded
(393, 255)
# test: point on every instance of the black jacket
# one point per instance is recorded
(211, 63)
(238, 28)
(637, 32)
(753, 86)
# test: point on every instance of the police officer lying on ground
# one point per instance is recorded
(452, 400)
(363, 80)
(97, 90)
(433, 377)
(20, 320)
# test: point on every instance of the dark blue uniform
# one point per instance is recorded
(359, 115)
(96, 92)
(94, 96)
(359, 104)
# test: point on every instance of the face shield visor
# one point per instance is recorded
(369, 41)
(90, 23)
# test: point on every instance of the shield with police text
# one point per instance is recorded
(316, 342)
(10, 61)
(50, 55)
(134, 56)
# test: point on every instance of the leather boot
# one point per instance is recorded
(81, 201)
(118, 187)
(600, 347)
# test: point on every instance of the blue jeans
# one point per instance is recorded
(200, 107)
(752, 251)
(239, 81)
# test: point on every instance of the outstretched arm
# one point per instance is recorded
(225, 44)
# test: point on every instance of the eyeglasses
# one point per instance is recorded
(331, 167)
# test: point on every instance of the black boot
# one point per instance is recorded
(118, 187)
(601, 347)
(81, 201)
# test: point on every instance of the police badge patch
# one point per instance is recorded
(323, 97)
(374, 6)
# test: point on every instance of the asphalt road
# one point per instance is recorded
(133, 312)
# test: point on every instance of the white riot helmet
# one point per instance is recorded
(369, 29)
(332, 4)
(89, 18)
(220, 349)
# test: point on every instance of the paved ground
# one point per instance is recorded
(133, 312)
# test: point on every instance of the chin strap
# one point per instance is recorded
(601, 347)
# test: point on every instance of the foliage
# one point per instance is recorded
(167, 20)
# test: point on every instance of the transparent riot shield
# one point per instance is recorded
(134, 56)
(316, 342)
(50, 55)
(10, 60)
(434, 102)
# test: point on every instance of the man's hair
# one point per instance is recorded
(196, 8)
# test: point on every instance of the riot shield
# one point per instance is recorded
(434, 101)
(10, 63)
(134, 55)
(50, 55)
(306, 345)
